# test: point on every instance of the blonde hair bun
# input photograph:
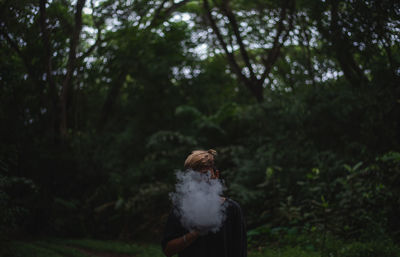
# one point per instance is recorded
(200, 159)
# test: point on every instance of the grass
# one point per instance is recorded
(60, 249)
(73, 248)
(101, 246)
(285, 252)
(20, 249)
(115, 247)
(65, 248)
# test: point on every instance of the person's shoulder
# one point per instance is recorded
(174, 214)
(233, 204)
(234, 211)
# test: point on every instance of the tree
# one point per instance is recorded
(64, 56)
(254, 35)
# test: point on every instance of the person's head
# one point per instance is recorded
(202, 161)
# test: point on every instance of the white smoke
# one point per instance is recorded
(197, 199)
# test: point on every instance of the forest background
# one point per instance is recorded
(101, 101)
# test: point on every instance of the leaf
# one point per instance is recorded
(391, 156)
(347, 167)
(358, 165)
(119, 203)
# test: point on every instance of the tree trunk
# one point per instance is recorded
(109, 104)
(74, 41)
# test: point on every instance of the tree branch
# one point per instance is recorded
(74, 40)
(15, 47)
(231, 58)
(273, 54)
(46, 41)
(92, 47)
(159, 14)
(344, 56)
(96, 43)
(48, 60)
(306, 46)
(231, 17)
(109, 104)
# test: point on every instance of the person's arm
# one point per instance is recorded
(178, 244)
(241, 233)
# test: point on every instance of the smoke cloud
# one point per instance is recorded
(197, 201)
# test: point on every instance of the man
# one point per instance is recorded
(229, 241)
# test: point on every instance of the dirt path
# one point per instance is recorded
(94, 253)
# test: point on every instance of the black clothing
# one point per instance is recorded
(229, 241)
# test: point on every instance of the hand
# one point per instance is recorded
(195, 233)
(203, 230)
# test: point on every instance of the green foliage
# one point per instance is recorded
(378, 248)
(283, 252)
(78, 248)
(60, 249)
(15, 194)
(293, 242)
(286, 247)
(319, 154)
(112, 247)
(106, 246)
(19, 249)
(12, 209)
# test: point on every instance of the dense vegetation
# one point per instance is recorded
(101, 101)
